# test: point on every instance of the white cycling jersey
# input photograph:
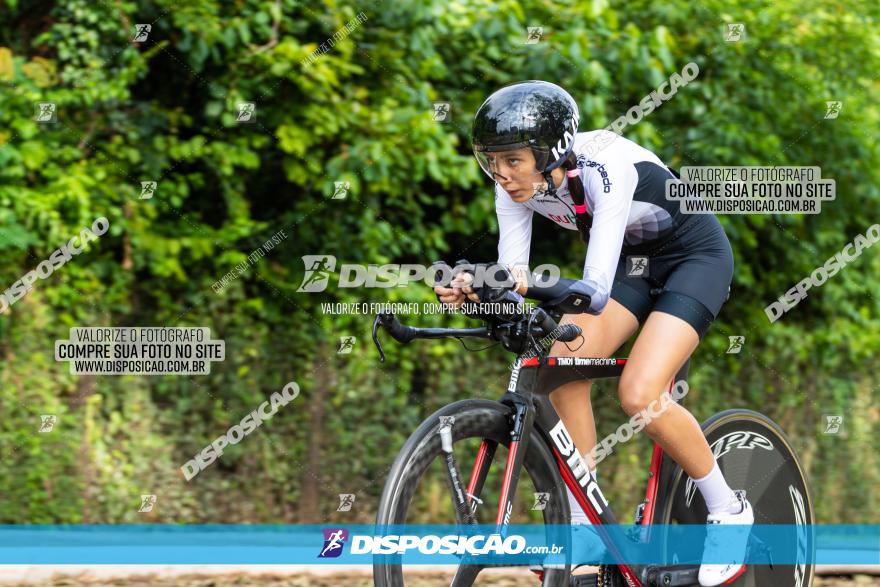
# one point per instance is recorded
(624, 187)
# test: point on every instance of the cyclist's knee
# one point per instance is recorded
(636, 393)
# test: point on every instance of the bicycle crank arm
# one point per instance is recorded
(688, 574)
(668, 577)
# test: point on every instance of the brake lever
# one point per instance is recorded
(376, 338)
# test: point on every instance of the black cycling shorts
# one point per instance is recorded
(693, 268)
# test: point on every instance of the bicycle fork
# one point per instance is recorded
(466, 500)
(464, 513)
(523, 418)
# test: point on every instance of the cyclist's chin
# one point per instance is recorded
(521, 196)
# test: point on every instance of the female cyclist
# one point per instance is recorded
(612, 191)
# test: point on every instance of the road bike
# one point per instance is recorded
(522, 432)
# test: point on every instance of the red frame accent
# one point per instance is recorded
(588, 509)
(573, 484)
(653, 485)
(653, 479)
(505, 485)
(475, 473)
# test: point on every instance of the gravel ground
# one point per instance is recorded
(337, 580)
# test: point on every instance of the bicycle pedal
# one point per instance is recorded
(686, 575)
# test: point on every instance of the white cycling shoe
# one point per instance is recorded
(732, 547)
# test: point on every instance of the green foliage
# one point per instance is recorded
(164, 110)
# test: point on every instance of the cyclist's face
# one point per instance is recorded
(515, 171)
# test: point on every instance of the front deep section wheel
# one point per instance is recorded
(418, 489)
(755, 455)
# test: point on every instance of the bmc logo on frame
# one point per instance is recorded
(564, 443)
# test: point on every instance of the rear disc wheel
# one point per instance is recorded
(755, 455)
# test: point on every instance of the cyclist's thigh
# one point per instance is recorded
(602, 334)
(698, 286)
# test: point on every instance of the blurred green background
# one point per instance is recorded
(164, 110)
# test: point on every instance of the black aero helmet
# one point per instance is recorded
(534, 114)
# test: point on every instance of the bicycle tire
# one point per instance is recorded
(780, 496)
(473, 419)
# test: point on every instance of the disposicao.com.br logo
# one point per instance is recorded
(451, 544)
(429, 544)
(319, 268)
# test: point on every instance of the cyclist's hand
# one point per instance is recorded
(449, 295)
(458, 289)
(464, 280)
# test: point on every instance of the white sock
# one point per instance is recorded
(578, 516)
(718, 495)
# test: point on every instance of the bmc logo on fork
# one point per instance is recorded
(563, 441)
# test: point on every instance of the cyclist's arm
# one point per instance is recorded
(610, 216)
(514, 232)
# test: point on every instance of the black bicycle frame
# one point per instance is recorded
(535, 375)
(533, 412)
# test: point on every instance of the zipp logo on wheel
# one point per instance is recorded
(722, 446)
(334, 541)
